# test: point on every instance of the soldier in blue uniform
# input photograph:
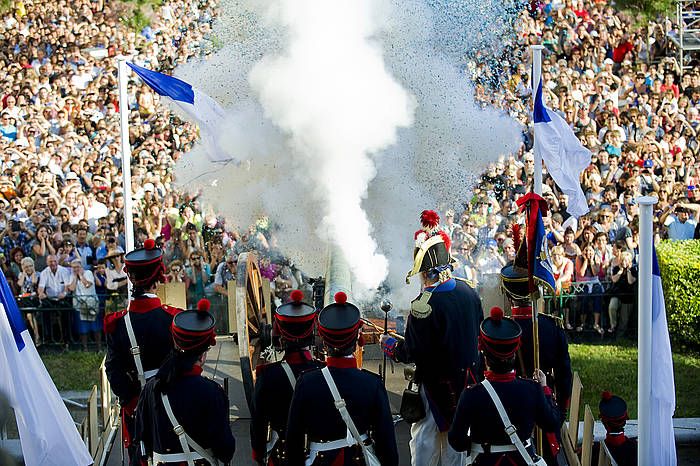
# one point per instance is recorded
(275, 382)
(479, 427)
(613, 414)
(334, 429)
(138, 338)
(554, 358)
(441, 339)
(182, 417)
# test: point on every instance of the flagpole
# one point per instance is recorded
(126, 153)
(534, 82)
(537, 188)
(646, 244)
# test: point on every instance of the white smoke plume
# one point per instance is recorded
(351, 118)
(329, 90)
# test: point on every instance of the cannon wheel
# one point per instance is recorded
(252, 319)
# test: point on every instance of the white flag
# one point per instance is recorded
(563, 154)
(663, 388)
(47, 432)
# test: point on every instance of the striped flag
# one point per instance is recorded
(46, 430)
(201, 108)
(663, 389)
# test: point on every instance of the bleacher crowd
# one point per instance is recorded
(630, 103)
(60, 173)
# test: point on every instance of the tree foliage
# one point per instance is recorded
(679, 262)
(650, 9)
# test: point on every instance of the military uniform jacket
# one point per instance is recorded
(151, 322)
(273, 395)
(622, 449)
(554, 353)
(199, 405)
(526, 405)
(444, 345)
(313, 414)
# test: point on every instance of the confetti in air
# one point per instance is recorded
(351, 117)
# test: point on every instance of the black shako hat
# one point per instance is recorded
(499, 335)
(514, 275)
(193, 330)
(612, 408)
(144, 266)
(294, 321)
(339, 323)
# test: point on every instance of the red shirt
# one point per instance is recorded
(621, 50)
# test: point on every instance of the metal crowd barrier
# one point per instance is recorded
(56, 319)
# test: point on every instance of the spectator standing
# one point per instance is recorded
(198, 274)
(622, 294)
(587, 270)
(225, 272)
(42, 247)
(563, 271)
(85, 251)
(52, 293)
(86, 304)
(28, 285)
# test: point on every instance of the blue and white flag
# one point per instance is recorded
(562, 152)
(47, 432)
(204, 110)
(538, 266)
(663, 388)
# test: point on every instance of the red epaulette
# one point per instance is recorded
(261, 368)
(172, 310)
(110, 322)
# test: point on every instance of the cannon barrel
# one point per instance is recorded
(338, 275)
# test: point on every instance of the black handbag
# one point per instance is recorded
(412, 407)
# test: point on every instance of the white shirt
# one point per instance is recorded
(54, 283)
(81, 289)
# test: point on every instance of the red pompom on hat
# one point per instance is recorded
(296, 296)
(203, 305)
(149, 244)
(606, 395)
(340, 297)
(496, 313)
(429, 219)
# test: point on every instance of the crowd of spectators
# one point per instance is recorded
(62, 240)
(62, 235)
(629, 102)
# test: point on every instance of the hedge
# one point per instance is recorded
(679, 262)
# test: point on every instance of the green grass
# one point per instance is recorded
(73, 370)
(614, 368)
